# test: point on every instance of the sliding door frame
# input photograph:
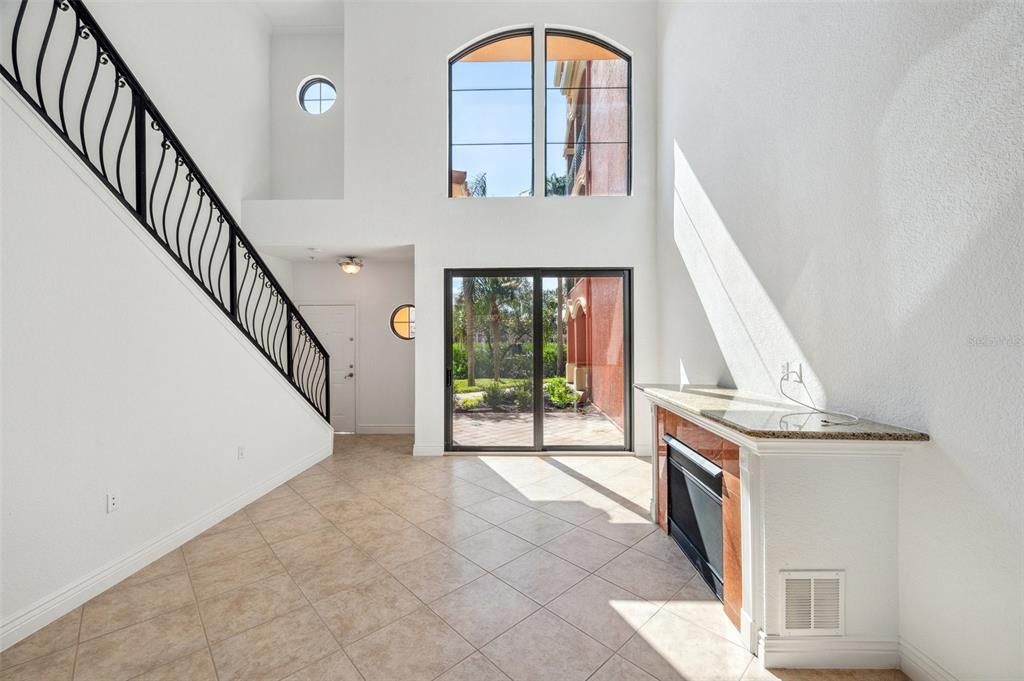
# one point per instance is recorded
(538, 274)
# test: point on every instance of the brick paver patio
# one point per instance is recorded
(567, 428)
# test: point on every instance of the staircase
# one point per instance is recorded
(56, 56)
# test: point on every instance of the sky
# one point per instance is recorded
(492, 124)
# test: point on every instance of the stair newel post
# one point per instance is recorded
(291, 345)
(233, 270)
(140, 156)
(327, 387)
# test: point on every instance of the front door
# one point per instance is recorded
(335, 326)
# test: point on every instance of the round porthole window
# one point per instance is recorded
(317, 95)
(403, 322)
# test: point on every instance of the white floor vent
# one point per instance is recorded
(813, 602)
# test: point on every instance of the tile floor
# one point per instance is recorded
(377, 566)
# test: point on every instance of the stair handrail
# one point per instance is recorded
(302, 357)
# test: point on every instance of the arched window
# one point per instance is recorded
(587, 113)
(587, 150)
(490, 117)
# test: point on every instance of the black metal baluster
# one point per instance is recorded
(291, 349)
(88, 92)
(139, 114)
(232, 271)
(42, 55)
(120, 148)
(14, 41)
(67, 70)
(118, 84)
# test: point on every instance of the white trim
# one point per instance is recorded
(385, 429)
(837, 652)
(49, 608)
(427, 450)
(919, 666)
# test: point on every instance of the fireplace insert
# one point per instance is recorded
(695, 510)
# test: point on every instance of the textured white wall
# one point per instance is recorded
(307, 153)
(119, 376)
(845, 184)
(385, 364)
(396, 108)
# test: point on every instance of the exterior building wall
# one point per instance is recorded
(596, 318)
(607, 163)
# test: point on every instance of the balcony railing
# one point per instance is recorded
(56, 56)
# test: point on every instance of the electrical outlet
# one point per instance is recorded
(791, 374)
(113, 502)
(241, 453)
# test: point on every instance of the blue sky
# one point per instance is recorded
(492, 109)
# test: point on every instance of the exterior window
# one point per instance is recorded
(588, 127)
(490, 117)
(403, 322)
(317, 95)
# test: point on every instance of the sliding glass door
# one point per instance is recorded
(538, 359)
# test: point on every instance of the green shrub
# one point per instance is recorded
(560, 394)
(470, 402)
(522, 395)
(494, 395)
(459, 367)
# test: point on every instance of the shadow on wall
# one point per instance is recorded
(752, 335)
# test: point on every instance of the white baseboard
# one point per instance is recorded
(830, 652)
(427, 450)
(49, 608)
(384, 429)
(919, 667)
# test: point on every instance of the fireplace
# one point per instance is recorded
(695, 510)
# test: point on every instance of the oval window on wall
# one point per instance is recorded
(316, 95)
(403, 322)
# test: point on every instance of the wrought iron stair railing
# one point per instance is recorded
(56, 56)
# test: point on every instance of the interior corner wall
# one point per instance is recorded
(842, 184)
(385, 364)
(307, 152)
(120, 376)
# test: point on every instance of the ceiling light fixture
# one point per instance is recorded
(350, 265)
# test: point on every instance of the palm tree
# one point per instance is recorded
(478, 185)
(468, 292)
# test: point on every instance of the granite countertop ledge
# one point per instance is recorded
(767, 417)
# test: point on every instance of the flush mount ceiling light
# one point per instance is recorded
(350, 265)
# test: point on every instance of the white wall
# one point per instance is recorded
(119, 376)
(214, 93)
(396, 99)
(307, 153)
(385, 364)
(842, 184)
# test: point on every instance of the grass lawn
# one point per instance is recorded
(462, 385)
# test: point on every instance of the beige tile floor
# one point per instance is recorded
(377, 566)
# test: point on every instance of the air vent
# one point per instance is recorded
(813, 602)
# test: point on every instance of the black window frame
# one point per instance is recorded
(483, 42)
(539, 274)
(579, 35)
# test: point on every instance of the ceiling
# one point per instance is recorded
(294, 14)
(379, 254)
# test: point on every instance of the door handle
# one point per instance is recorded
(349, 375)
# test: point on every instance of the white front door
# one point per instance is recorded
(335, 326)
